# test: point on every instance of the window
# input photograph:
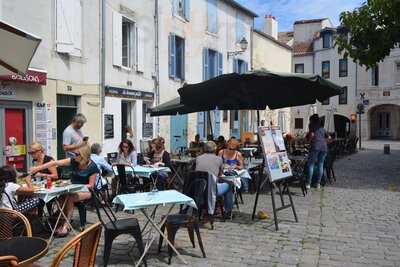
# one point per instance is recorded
(69, 27)
(298, 123)
(397, 73)
(181, 8)
(326, 69)
(240, 32)
(326, 40)
(343, 96)
(225, 116)
(127, 43)
(240, 66)
(176, 57)
(375, 75)
(212, 16)
(212, 64)
(343, 67)
(299, 68)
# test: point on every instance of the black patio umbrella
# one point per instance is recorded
(256, 90)
(171, 108)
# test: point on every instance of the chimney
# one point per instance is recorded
(271, 26)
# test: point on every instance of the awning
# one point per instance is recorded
(34, 76)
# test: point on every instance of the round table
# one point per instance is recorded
(26, 249)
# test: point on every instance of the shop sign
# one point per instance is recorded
(8, 93)
(147, 129)
(128, 93)
(31, 76)
(108, 126)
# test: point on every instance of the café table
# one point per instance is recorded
(180, 167)
(55, 192)
(142, 171)
(154, 199)
(26, 249)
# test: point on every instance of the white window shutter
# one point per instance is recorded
(140, 50)
(77, 22)
(117, 39)
(64, 26)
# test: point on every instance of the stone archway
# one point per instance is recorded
(384, 122)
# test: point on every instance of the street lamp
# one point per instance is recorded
(360, 110)
(243, 46)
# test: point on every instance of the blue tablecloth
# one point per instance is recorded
(48, 194)
(143, 171)
(148, 199)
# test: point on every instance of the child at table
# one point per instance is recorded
(9, 189)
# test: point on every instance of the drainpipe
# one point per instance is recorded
(102, 62)
(156, 65)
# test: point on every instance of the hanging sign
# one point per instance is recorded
(277, 162)
(43, 130)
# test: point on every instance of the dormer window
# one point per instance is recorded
(326, 40)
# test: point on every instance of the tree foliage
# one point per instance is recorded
(368, 33)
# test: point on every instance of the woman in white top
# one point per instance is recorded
(127, 154)
(9, 190)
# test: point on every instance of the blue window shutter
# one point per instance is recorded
(200, 124)
(205, 64)
(172, 52)
(239, 27)
(217, 126)
(212, 16)
(244, 67)
(220, 64)
(183, 59)
(187, 9)
(175, 6)
(235, 65)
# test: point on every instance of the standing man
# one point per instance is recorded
(73, 137)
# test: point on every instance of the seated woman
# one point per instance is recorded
(36, 151)
(160, 158)
(102, 165)
(9, 189)
(84, 171)
(127, 154)
(233, 158)
(209, 162)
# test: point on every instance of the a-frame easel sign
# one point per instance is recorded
(276, 164)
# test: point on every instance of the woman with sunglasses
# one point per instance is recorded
(84, 171)
(36, 151)
(127, 154)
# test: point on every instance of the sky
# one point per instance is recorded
(288, 11)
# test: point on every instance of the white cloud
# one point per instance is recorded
(288, 11)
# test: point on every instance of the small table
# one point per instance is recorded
(142, 171)
(26, 249)
(54, 193)
(143, 201)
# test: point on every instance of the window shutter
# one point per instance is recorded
(175, 4)
(235, 65)
(220, 65)
(77, 22)
(187, 9)
(205, 64)
(172, 63)
(212, 16)
(117, 39)
(245, 67)
(140, 50)
(183, 59)
(65, 29)
(239, 27)
(217, 126)
(200, 124)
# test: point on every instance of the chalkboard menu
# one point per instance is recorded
(147, 129)
(108, 126)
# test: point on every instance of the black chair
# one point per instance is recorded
(195, 190)
(128, 183)
(114, 227)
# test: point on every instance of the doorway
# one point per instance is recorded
(179, 132)
(15, 133)
(67, 107)
(384, 122)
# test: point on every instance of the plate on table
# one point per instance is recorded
(61, 183)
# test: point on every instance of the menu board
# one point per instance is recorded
(108, 126)
(43, 122)
(277, 162)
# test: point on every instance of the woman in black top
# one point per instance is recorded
(84, 171)
(36, 151)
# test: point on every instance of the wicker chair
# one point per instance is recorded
(13, 224)
(8, 261)
(85, 245)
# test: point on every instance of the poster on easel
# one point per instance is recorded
(277, 162)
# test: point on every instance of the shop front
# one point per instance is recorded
(123, 109)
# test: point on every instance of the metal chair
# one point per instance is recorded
(85, 245)
(114, 227)
(8, 261)
(13, 223)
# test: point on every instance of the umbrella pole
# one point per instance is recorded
(210, 124)
(258, 117)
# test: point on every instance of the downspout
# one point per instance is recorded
(156, 65)
(102, 62)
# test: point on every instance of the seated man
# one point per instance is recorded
(209, 162)
(196, 147)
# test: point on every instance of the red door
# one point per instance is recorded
(15, 137)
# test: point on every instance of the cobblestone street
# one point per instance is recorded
(354, 222)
